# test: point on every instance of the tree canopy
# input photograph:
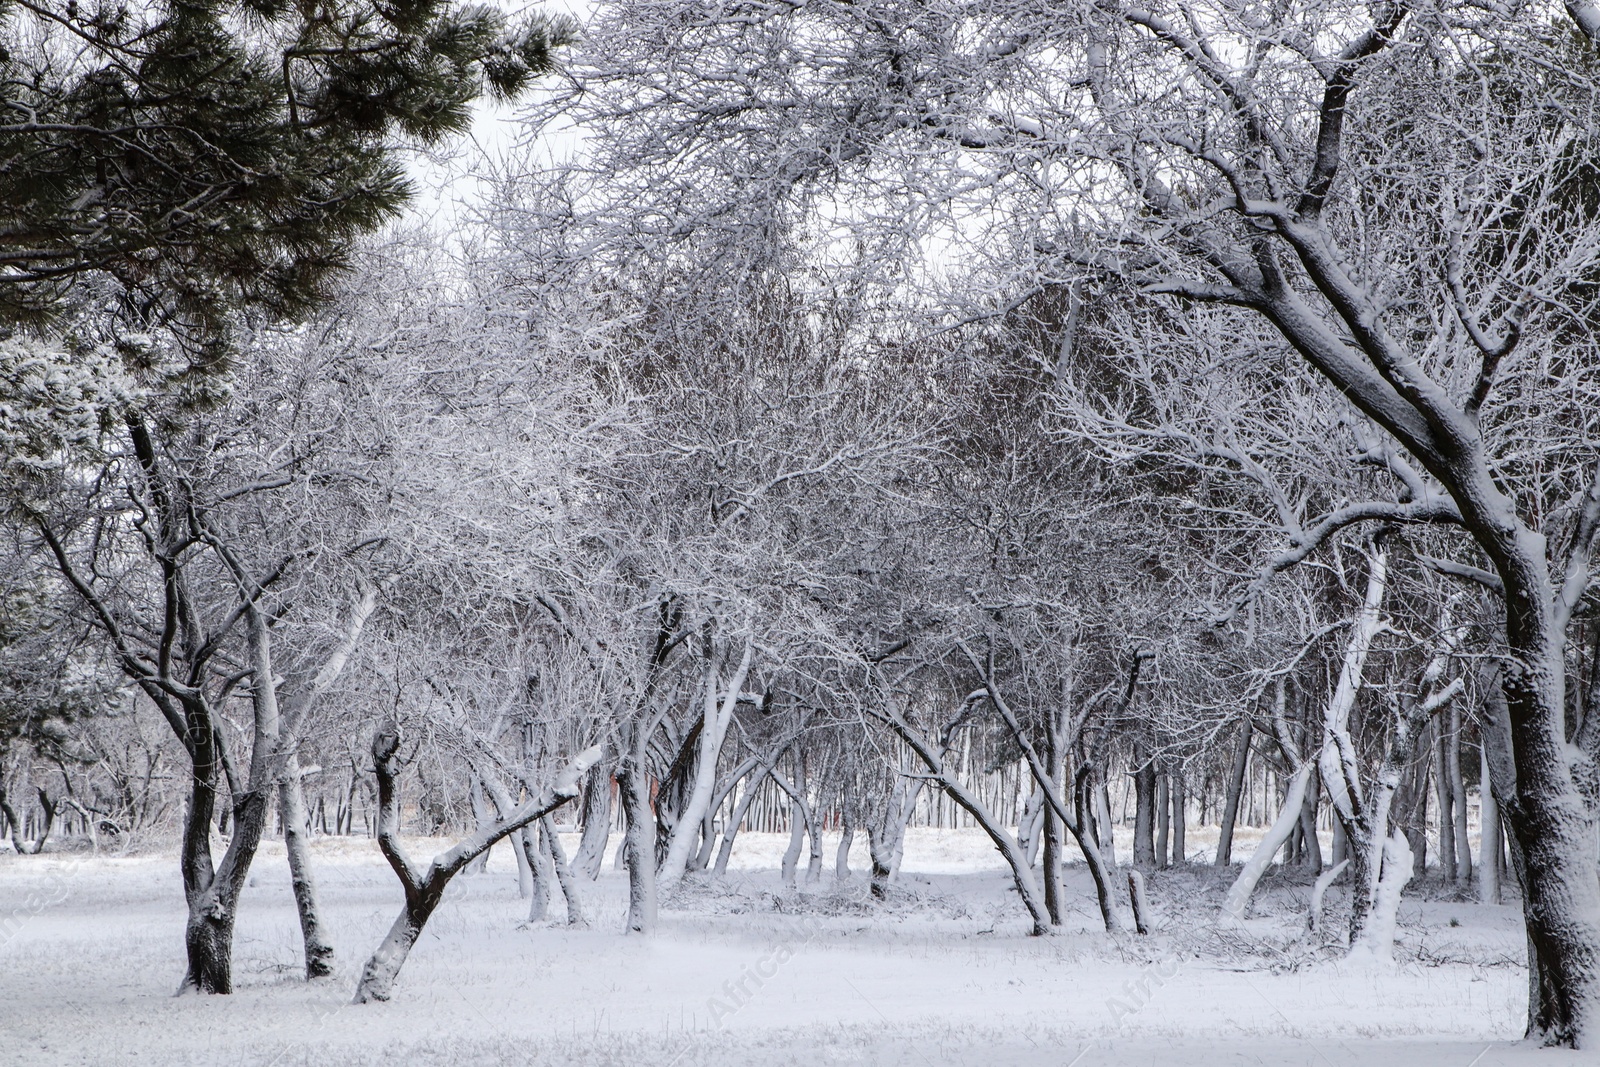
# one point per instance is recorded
(207, 153)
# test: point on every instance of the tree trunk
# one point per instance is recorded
(1050, 872)
(480, 816)
(882, 853)
(886, 837)
(527, 839)
(1446, 801)
(735, 821)
(1230, 807)
(1163, 824)
(208, 932)
(1489, 839)
(799, 816)
(1310, 846)
(424, 887)
(568, 881)
(1238, 899)
(1106, 828)
(1144, 792)
(524, 870)
(1458, 798)
(1376, 940)
(639, 849)
(1140, 903)
(719, 699)
(814, 835)
(596, 825)
(291, 802)
(1180, 805)
(1021, 873)
(1554, 823)
(841, 858)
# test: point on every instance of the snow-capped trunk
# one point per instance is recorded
(1554, 825)
(1551, 816)
(1376, 942)
(1364, 819)
(1237, 901)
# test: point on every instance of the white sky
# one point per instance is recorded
(447, 180)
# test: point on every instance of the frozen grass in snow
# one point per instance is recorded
(942, 974)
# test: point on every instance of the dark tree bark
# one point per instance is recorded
(1230, 807)
(1163, 820)
(1144, 806)
(638, 847)
(596, 824)
(1180, 806)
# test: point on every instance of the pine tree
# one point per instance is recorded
(203, 155)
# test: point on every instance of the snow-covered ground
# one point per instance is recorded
(745, 972)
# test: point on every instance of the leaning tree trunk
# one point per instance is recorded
(1238, 898)
(720, 698)
(799, 817)
(596, 825)
(1074, 820)
(736, 821)
(1230, 807)
(564, 876)
(1021, 872)
(291, 805)
(424, 887)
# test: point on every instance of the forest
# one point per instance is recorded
(1036, 508)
